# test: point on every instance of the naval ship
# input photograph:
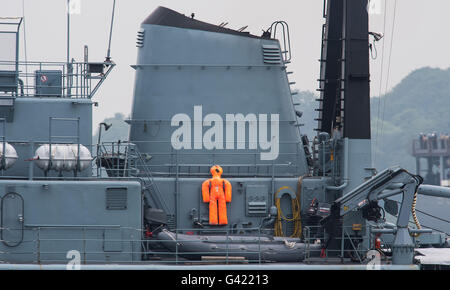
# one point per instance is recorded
(212, 107)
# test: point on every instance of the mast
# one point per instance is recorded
(355, 51)
(344, 111)
(344, 79)
(69, 66)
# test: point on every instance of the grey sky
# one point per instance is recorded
(420, 37)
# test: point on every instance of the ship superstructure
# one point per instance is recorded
(204, 95)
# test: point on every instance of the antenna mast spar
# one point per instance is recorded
(108, 54)
(69, 83)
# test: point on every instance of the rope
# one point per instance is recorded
(419, 180)
(414, 215)
(278, 229)
(296, 216)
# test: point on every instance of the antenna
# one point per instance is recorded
(68, 31)
(25, 43)
(108, 54)
(242, 28)
(73, 7)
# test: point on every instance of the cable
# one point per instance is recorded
(296, 216)
(435, 217)
(381, 74)
(432, 228)
(388, 69)
(419, 181)
(430, 215)
(414, 215)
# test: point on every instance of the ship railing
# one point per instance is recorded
(285, 39)
(216, 237)
(124, 163)
(53, 79)
(425, 147)
(182, 163)
(91, 244)
(354, 242)
(43, 244)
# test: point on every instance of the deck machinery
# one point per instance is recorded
(204, 95)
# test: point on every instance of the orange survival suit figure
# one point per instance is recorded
(217, 191)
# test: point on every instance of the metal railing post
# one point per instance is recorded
(259, 245)
(342, 244)
(39, 245)
(84, 245)
(3, 160)
(308, 244)
(176, 246)
(353, 246)
(31, 165)
(227, 252)
(78, 145)
(50, 144)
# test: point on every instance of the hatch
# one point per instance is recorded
(12, 219)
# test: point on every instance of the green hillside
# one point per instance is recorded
(420, 103)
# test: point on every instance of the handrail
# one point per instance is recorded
(118, 157)
(286, 50)
(156, 192)
(133, 243)
(59, 79)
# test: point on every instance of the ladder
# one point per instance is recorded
(150, 188)
(286, 54)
